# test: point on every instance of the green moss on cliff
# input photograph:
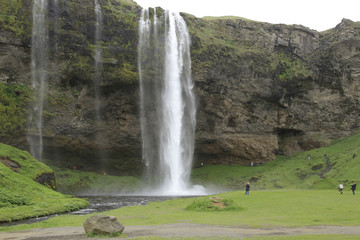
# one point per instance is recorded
(289, 69)
(125, 74)
(14, 17)
(123, 44)
(13, 113)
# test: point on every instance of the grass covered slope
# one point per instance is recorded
(326, 168)
(22, 162)
(20, 196)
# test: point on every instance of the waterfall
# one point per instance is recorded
(99, 135)
(39, 68)
(168, 110)
(97, 58)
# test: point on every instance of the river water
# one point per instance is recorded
(101, 204)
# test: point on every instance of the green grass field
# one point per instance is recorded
(288, 208)
(288, 192)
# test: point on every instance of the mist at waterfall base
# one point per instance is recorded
(168, 108)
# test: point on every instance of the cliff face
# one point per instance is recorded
(265, 89)
(261, 88)
(71, 134)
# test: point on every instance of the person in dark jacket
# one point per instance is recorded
(247, 188)
(353, 187)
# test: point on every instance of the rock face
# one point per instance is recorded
(102, 224)
(262, 89)
(267, 89)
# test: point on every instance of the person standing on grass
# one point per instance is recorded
(353, 187)
(247, 188)
(341, 188)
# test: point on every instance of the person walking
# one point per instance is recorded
(247, 188)
(353, 187)
(341, 188)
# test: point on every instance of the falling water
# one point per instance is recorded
(39, 67)
(101, 154)
(167, 102)
(98, 66)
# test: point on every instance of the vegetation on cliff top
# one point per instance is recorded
(224, 38)
(20, 196)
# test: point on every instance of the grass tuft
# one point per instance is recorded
(208, 205)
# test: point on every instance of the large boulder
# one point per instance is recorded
(102, 224)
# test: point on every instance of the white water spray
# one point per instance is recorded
(167, 102)
(97, 58)
(39, 68)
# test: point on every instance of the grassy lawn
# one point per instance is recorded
(291, 208)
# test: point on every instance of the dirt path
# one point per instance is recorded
(179, 230)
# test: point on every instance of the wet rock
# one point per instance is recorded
(47, 179)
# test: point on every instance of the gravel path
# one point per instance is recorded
(179, 230)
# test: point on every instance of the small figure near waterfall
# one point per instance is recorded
(341, 188)
(353, 187)
(247, 188)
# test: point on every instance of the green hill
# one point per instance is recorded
(21, 194)
(340, 162)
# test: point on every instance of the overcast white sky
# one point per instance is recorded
(315, 14)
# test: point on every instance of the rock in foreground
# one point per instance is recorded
(102, 224)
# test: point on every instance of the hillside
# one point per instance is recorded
(21, 194)
(326, 168)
